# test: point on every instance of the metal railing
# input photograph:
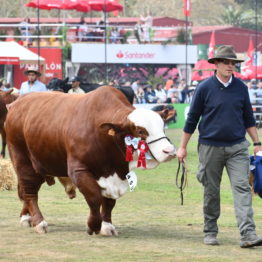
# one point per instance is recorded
(99, 33)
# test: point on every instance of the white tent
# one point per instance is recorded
(13, 49)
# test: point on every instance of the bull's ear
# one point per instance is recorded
(163, 114)
(111, 129)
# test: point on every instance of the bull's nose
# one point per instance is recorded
(171, 151)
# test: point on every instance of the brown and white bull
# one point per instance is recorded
(83, 137)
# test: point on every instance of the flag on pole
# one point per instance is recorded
(211, 48)
(250, 53)
(187, 7)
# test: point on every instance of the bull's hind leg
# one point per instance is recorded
(108, 228)
(29, 183)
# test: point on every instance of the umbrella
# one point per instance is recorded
(79, 5)
(249, 72)
(105, 5)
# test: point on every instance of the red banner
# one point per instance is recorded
(9, 60)
(187, 7)
(53, 66)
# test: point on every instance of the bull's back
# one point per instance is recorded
(50, 126)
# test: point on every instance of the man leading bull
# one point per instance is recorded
(222, 105)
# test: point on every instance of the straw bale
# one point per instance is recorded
(8, 180)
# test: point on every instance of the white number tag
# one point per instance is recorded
(132, 180)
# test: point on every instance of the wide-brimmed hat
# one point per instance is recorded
(31, 69)
(225, 52)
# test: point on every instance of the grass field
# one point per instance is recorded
(152, 224)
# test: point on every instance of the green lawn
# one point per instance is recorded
(152, 224)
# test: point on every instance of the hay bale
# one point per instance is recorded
(8, 179)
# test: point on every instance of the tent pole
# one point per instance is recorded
(105, 26)
(38, 34)
(186, 50)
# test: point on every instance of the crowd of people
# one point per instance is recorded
(170, 91)
(96, 33)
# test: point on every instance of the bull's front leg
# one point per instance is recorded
(88, 186)
(108, 228)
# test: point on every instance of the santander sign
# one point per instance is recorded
(135, 55)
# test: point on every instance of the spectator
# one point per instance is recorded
(259, 93)
(26, 31)
(254, 83)
(150, 95)
(139, 32)
(76, 89)
(161, 94)
(114, 35)
(140, 95)
(82, 30)
(173, 94)
(169, 83)
(33, 84)
(147, 27)
(251, 92)
(135, 85)
(183, 90)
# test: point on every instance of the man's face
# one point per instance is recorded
(225, 67)
(31, 77)
(75, 84)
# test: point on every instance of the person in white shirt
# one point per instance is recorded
(160, 94)
(76, 89)
(33, 84)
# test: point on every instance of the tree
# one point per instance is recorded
(240, 18)
(233, 16)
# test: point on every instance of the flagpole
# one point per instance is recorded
(105, 33)
(186, 14)
(186, 49)
(256, 41)
(38, 35)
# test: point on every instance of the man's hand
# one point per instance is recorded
(181, 154)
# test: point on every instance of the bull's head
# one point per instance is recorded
(149, 127)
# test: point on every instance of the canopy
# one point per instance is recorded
(79, 5)
(14, 50)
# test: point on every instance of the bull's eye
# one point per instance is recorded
(142, 132)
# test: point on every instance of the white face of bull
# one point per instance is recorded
(162, 150)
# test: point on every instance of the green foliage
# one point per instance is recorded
(125, 37)
(235, 17)
(241, 17)
(183, 36)
(154, 80)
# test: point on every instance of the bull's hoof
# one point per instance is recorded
(41, 228)
(108, 229)
(25, 221)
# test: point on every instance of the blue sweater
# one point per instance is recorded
(225, 112)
